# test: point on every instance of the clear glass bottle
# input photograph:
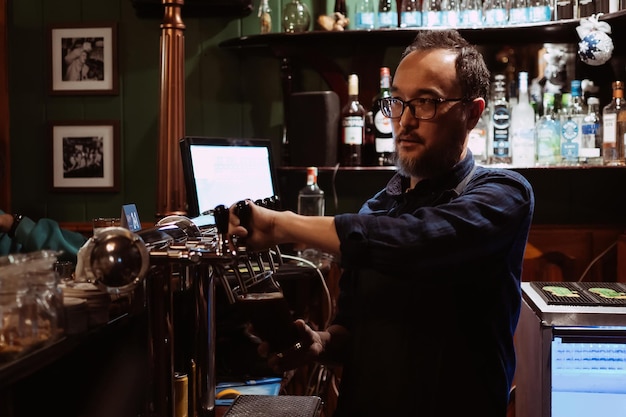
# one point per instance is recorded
(523, 126)
(478, 140)
(383, 134)
(311, 200)
(265, 17)
(591, 127)
(365, 14)
(548, 133)
(614, 127)
(410, 14)
(571, 121)
(353, 125)
(296, 17)
(450, 13)
(540, 11)
(471, 13)
(500, 126)
(496, 13)
(431, 13)
(519, 12)
(387, 14)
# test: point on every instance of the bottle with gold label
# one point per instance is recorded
(352, 125)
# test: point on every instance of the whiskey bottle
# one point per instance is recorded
(383, 135)
(352, 125)
(614, 127)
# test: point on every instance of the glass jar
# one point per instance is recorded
(296, 17)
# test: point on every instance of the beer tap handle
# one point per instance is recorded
(221, 213)
(244, 213)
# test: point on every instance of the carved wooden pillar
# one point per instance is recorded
(5, 148)
(170, 185)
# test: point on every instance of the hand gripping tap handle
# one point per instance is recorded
(244, 212)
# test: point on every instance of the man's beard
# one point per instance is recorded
(428, 164)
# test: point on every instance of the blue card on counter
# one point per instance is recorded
(261, 386)
(130, 218)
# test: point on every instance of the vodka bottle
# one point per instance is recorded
(365, 14)
(500, 126)
(387, 15)
(614, 127)
(591, 130)
(410, 14)
(571, 121)
(519, 13)
(431, 13)
(383, 135)
(496, 12)
(523, 127)
(311, 201)
(548, 133)
(471, 13)
(353, 125)
(540, 10)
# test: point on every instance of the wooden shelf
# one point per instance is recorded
(562, 31)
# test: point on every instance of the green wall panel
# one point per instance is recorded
(223, 97)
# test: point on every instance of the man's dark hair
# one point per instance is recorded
(470, 65)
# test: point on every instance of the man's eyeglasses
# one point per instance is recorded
(421, 108)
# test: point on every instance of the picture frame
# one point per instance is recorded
(83, 59)
(85, 156)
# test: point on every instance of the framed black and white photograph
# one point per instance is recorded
(85, 156)
(83, 59)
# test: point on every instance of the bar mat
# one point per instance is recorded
(275, 406)
(606, 294)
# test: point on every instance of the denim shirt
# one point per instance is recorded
(431, 294)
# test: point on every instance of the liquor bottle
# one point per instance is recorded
(365, 14)
(591, 127)
(540, 11)
(383, 135)
(471, 13)
(614, 127)
(387, 15)
(523, 127)
(500, 126)
(519, 12)
(548, 132)
(311, 201)
(340, 7)
(450, 13)
(571, 121)
(353, 125)
(496, 13)
(368, 154)
(265, 16)
(410, 14)
(431, 13)
(478, 140)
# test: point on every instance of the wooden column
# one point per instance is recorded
(170, 185)
(5, 147)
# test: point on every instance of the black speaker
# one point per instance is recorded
(313, 128)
